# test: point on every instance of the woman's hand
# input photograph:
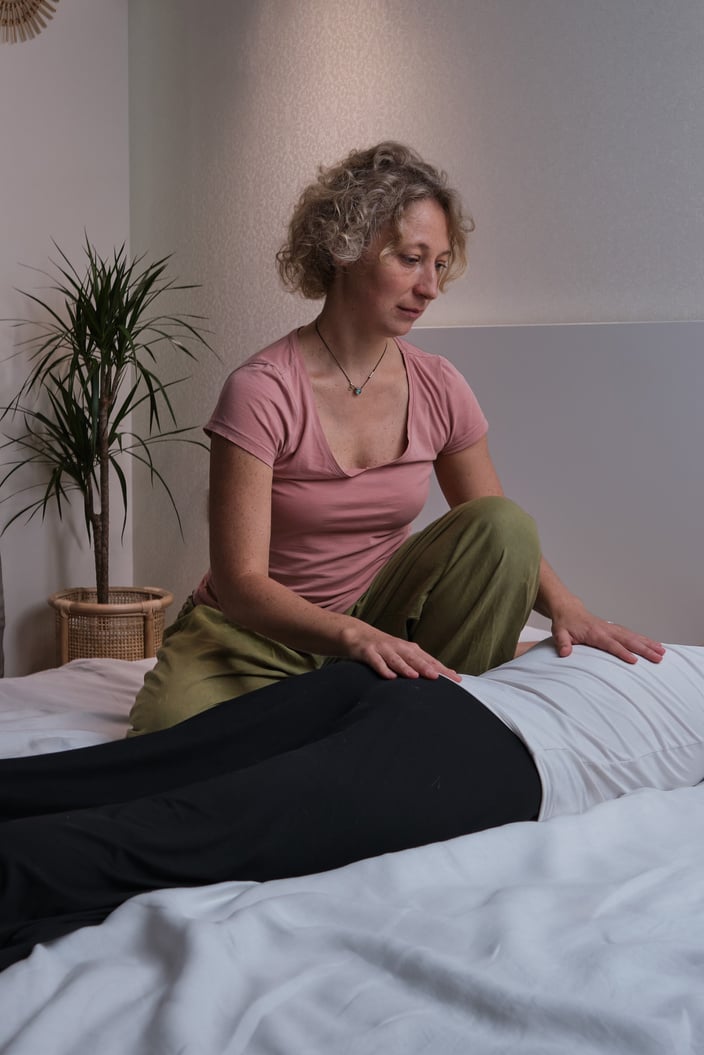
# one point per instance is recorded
(575, 625)
(389, 656)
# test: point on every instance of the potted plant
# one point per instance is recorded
(94, 363)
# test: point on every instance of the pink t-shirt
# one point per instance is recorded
(332, 529)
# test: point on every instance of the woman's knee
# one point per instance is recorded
(506, 530)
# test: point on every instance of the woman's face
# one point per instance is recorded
(389, 289)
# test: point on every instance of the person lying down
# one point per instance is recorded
(333, 766)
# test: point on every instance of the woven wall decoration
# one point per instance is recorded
(23, 19)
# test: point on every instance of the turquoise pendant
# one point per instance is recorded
(357, 391)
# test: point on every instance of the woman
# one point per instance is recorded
(340, 764)
(322, 446)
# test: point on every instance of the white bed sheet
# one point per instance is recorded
(580, 935)
(84, 702)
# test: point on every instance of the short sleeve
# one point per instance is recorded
(255, 411)
(466, 420)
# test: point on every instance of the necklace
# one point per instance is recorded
(356, 390)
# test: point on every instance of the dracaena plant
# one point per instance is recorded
(94, 352)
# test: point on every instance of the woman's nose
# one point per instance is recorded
(428, 283)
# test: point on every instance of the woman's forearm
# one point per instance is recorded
(553, 596)
(259, 603)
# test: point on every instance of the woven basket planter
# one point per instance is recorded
(131, 626)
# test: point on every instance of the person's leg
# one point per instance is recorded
(414, 762)
(462, 588)
(238, 733)
(204, 659)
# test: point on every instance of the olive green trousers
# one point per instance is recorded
(462, 589)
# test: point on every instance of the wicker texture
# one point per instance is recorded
(130, 627)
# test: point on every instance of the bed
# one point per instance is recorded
(583, 934)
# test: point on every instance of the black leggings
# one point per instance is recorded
(299, 777)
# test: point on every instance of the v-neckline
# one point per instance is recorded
(351, 473)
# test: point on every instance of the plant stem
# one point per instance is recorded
(102, 542)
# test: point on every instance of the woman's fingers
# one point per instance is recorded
(618, 640)
(624, 643)
(393, 657)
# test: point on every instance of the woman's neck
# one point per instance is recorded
(353, 343)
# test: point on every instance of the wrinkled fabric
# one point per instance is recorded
(584, 934)
(597, 727)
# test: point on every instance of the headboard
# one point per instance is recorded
(598, 431)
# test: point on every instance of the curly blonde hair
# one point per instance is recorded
(339, 215)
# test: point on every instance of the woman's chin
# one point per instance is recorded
(405, 321)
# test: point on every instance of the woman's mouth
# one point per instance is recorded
(411, 313)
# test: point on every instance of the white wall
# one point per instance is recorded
(574, 130)
(65, 167)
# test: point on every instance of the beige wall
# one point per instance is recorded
(574, 130)
(64, 167)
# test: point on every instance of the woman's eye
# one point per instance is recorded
(410, 260)
(442, 265)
